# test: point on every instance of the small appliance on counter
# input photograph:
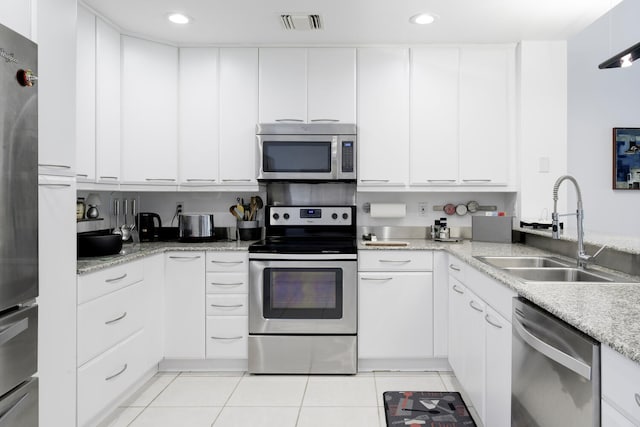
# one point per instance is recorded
(196, 227)
(149, 225)
(98, 243)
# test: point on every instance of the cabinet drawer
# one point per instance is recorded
(227, 283)
(106, 377)
(457, 268)
(102, 282)
(227, 304)
(108, 320)
(228, 261)
(621, 382)
(395, 260)
(227, 337)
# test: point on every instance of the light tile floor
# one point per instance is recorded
(223, 399)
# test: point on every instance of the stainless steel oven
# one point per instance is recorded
(303, 293)
(306, 152)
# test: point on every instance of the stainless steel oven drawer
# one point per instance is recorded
(303, 354)
(20, 407)
(18, 347)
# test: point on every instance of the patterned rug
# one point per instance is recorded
(426, 409)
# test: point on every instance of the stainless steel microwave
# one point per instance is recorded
(306, 152)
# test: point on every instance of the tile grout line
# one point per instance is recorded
(306, 385)
(152, 400)
(224, 405)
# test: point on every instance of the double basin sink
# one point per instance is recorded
(548, 269)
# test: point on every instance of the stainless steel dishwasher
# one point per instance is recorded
(555, 371)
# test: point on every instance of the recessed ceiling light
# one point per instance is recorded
(178, 18)
(423, 18)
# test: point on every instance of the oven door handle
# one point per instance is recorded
(296, 257)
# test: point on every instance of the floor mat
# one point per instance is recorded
(426, 408)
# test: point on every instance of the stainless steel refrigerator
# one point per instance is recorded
(18, 230)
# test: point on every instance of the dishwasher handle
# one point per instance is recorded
(551, 352)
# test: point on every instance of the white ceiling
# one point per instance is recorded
(354, 22)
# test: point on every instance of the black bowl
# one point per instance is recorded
(98, 243)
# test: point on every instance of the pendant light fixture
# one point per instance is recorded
(622, 59)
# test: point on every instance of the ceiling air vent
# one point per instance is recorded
(301, 22)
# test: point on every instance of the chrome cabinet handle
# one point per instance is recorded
(226, 262)
(227, 306)
(227, 284)
(441, 180)
(454, 268)
(637, 396)
(83, 175)
(117, 374)
(109, 322)
(374, 180)
(200, 180)
(160, 179)
(455, 288)
(108, 177)
(476, 180)
(184, 257)
(115, 279)
(13, 330)
(551, 352)
(377, 278)
(55, 185)
(325, 120)
(488, 319)
(49, 165)
(237, 180)
(7, 415)
(400, 261)
(474, 307)
(226, 338)
(290, 120)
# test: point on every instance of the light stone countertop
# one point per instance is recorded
(608, 312)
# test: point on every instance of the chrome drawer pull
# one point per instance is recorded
(13, 330)
(486, 317)
(637, 396)
(400, 261)
(226, 338)
(476, 180)
(117, 374)
(160, 179)
(374, 180)
(7, 415)
(55, 185)
(184, 257)
(325, 120)
(454, 268)
(115, 279)
(227, 262)
(474, 307)
(109, 322)
(237, 180)
(47, 165)
(82, 175)
(200, 180)
(377, 278)
(227, 284)
(455, 288)
(290, 120)
(108, 177)
(441, 180)
(228, 306)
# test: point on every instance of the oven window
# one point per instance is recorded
(293, 156)
(303, 293)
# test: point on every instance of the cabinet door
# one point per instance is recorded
(149, 112)
(474, 351)
(57, 87)
(486, 102)
(107, 103)
(283, 85)
(456, 327)
(184, 322)
(198, 123)
(434, 116)
(239, 115)
(498, 375)
(440, 304)
(331, 85)
(86, 96)
(154, 326)
(395, 320)
(16, 14)
(610, 417)
(383, 116)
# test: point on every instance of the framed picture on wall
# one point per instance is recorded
(626, 158)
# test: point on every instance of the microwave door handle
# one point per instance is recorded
(336, 152)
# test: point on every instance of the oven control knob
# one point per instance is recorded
(345, 215)
(285, 216)
(276, 216)
(334, 215)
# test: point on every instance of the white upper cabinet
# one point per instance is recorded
(149, 112)
(434, 115)
(307, 85)
(16, 14)
(238, 115)
(198, 116)
(86, 96)
(383, 116)
(107, 103)
(57, 86)
(486, 114)
(331, 85)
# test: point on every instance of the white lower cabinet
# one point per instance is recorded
(498, 369)
(227, 337)
(184, 315)
(620, 385)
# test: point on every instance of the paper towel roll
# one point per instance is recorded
(388, 210)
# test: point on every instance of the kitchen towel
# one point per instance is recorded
(388, 210)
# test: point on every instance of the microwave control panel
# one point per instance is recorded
(347, 156)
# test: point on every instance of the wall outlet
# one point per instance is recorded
(422, 209)
(179, 206)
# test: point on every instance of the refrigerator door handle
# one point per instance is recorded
(6, 417)
(13, 330)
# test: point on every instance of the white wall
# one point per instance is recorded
(599, 100)
(542, 90)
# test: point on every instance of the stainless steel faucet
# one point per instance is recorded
(582, 258)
